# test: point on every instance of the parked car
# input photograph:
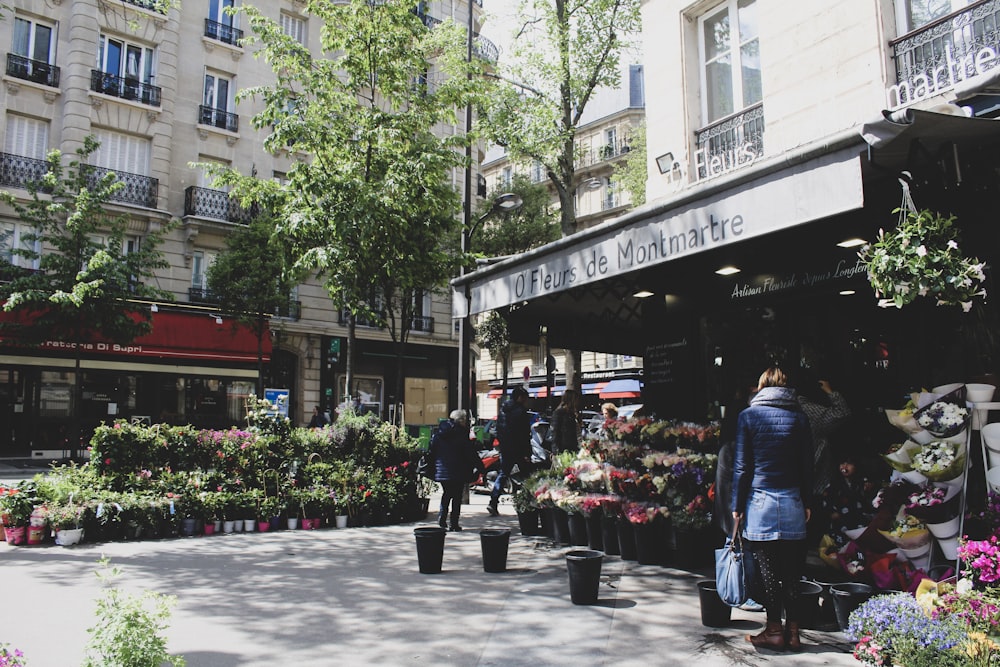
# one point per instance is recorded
(627, 411)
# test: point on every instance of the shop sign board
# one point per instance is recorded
(278, 398)
(929, 83)
(822, 187)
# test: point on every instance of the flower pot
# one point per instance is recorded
(69, 536)
(560, 526)
(15, 534)
(578, 530)
(809, 600)
(979, 393)
(308, 524)
(218, 525)
(293, 522)
(609, 535)
(584, 569)
(494, 543)
(991, 439)
(949, 547)
(919, 556)
(275, 523)
(922, 437)
(430, 549)
(248, 525)
(35, 534)
(228, 526)
(913, 477)
(209, 528)
(626, 540)
(342, 520)
(188, 527)
(945, 529)
(846, 598)
(714, 612)
(647, 543)
(595, 533)
(527, 522)
(263, 526)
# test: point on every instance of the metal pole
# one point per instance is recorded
(465, 324)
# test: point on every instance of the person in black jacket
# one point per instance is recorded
(772, 491)
(455, 463)
(514, 433)
(565, 427)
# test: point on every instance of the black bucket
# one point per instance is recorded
(527, 521)
(809, 598)
(609, 535)
(714, 612)
(826, 615)
(494, 542)
(626, 539)
(430, 549)
(846, 598)
(560, 526)
(578, 531)
(584, 567)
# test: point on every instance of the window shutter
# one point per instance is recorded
(122, 152)
(27, 137)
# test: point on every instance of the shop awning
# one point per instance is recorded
(541, 392)
(622, 389)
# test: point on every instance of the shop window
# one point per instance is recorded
(55, 398)
(730, 59)
(237, 393)
(366, 394)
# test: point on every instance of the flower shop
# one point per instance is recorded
(147, 482)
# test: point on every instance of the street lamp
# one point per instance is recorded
(506, 203)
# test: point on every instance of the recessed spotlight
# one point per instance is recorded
(643, 294)
(727, 271)
(852, 243)
(846, 292)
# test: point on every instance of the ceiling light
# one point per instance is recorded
(727, 271)
(643, 294)
(846, 292)
(852, 243)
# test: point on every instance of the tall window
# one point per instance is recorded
(12, 235)
(911, 14)
(34, 40)
(200, 261)
(27, 137)
(217, 12)
(122, 152)
(506, 176)
(129, 61)
(730, 56)
(294, 27)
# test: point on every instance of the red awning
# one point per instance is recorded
(178, 336)
(622, 389)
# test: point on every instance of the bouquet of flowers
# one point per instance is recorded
(983, 559)
(933, 504)
(907, 531)
(895, 626)
(900, 456)
(940, 460)
(945, 417)
(642, 513)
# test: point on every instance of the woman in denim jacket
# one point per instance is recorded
(772, 488)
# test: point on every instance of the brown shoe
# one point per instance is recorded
(771, 637)
(792, 636)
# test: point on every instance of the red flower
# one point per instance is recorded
(107, 461)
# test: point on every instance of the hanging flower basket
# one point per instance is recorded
(921, 258)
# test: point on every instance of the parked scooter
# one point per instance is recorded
(491, 462)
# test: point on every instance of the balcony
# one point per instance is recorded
(422, 324)
(124, 87)
(610, 201)
(485, 49)
(226, 34)
(217, 204)
(35, 71)
(360, 320)
(944, 51)
(590, 156)
(18, 171)
(219, 118)
(136, 189)
(733, 142)
(146, 4)
(291, 310)
(202, 296)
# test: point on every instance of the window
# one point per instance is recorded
(123, 59)
(421, 320)
(293, 27)
(34, 40)
(506, 176)
(610, 193)
(730, 57)
(911, 14)
(217, 12)
(16, 235)
(200, 261)
(27, 137)
(217, 102)
(122, 152)
(537, 172)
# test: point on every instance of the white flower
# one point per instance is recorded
(963, 586)
(966, 306)
(952, 245)
(885, 303)
(903, 288)
(922, 251)
(978, 270)
(923, 290)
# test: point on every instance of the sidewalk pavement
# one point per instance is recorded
(355, 597)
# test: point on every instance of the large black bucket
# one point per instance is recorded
(494, 542)
(609, 533)
(560, 526)
(430, 549)
(626, 539)
(846, 598)
(595, 534)
(809, 596)
(714, 612)
(528, 523)
(578, 530)
(584, 567)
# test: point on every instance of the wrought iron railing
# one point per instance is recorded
(18, 171)
(485, 49)
(218, 118)
(124, 87)
(291, 310)
(422, 323)
(202, 295)
(36, 71)
(610, 150)
(146, 4)
(945, 50)
(610, 202)
(222, 32)
(360, 320)
(731, 138)
(208, 203)
(136, 189)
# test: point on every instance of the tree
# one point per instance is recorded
(493, 334)
(532, 225)
(252, 296)
(631, 172)
(89, 286)
(372, 208)
(564, 51)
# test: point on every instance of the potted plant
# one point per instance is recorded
(16, 505)
(921, 257)
(293, 506)
(66, 521)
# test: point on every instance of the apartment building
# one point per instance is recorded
(604, 140)
(779, 134)
(159, 92)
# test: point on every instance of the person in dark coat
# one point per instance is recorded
(455, 464)
(566, 424)
(772, 492)
(514, 433)
(318, 418)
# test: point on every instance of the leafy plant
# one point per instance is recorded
(17, 503)
(921, 257)
(128, 631)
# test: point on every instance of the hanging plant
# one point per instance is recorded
(921, 257)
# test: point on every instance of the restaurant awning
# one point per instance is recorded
(622, 389)
(559, 390)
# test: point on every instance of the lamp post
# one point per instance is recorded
(505, 203)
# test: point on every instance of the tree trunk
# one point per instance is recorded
(349, 362)
(573, 363)
(260, 356)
